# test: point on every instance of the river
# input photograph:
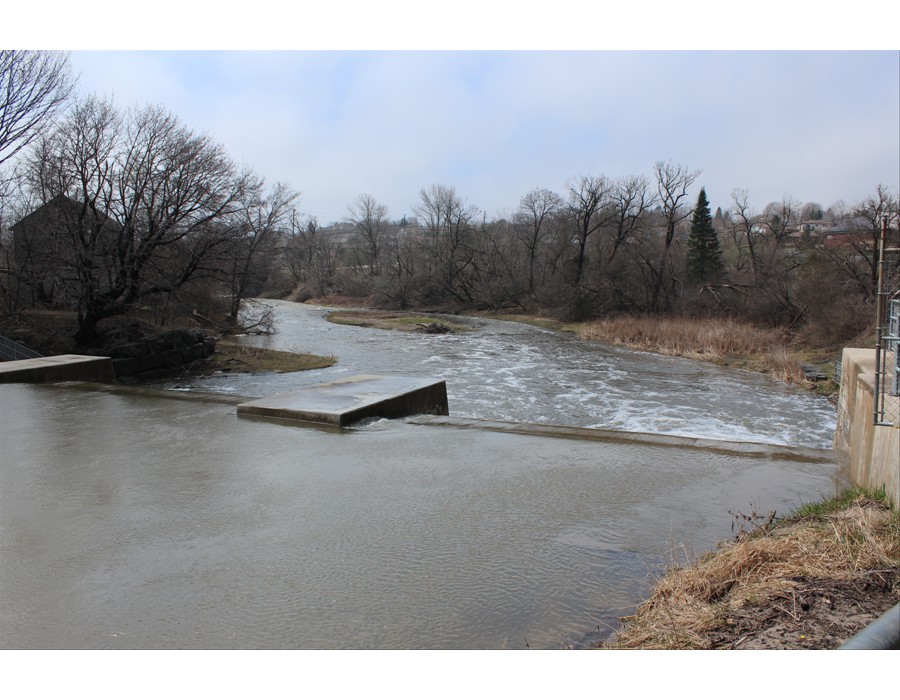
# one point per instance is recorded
(517, 372)
(141, 518)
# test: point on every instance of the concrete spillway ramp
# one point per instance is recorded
(58, 368)
(345, 401)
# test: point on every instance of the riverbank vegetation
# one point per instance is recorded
(730, 342)
(810, 581)
(230, 356)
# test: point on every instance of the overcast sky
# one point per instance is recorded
(816, 126)
(812, 125)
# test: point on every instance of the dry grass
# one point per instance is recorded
(724, 341)
(785, 365)
(689, 603)
(686, 337)
(234, 357)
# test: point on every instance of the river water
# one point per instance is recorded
(516, 372)
(138, 518)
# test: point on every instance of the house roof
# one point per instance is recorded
(60, 204)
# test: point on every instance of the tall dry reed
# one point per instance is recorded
(685, 336)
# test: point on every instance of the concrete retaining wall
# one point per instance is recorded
(873, 451)
(58, 368)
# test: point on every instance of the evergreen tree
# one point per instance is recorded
(704, 256)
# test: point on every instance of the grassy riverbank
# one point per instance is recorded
(810, 581)
(231, 356)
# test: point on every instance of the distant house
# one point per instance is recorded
(46, 245)
(814, 227)
(838, 233)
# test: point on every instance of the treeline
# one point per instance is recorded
(109, 212)
(608, 246)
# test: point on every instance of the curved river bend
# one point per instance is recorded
(129, 519)
(516, 372)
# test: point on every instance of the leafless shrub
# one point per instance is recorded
(256, 319)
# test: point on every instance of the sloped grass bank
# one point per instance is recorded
(231, 356)
(810, 581)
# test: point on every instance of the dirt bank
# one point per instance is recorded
(809, 582)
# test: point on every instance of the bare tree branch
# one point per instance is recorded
(34, 86)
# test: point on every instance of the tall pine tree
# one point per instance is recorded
(704, 256)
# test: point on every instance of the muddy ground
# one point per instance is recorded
(819, 614)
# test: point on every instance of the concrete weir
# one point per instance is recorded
(58, 368)
(348, 400)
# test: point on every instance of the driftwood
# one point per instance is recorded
(433, 328)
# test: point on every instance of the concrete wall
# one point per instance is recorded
(873, 451)
(58, 368)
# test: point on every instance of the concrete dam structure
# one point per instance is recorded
(341, 402)
(349, 400)
(871, 450)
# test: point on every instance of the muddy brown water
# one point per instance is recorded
(132, 520)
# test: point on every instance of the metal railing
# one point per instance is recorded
(887, 337)
(11, 350)
(882, 634)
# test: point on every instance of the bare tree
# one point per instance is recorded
(588, 197)
(536, 209)
(743, 230)
(672, 184)
(370, 219)
(762, 235)
(34, 86)
(883, 205)
(143, 202)
(246, 262)
(499, 275)
(299, 248)
(812, 211)
(449, 224)
(630, 199)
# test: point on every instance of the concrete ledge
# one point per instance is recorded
(58, 368)
(351, 399)
(729, 447)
